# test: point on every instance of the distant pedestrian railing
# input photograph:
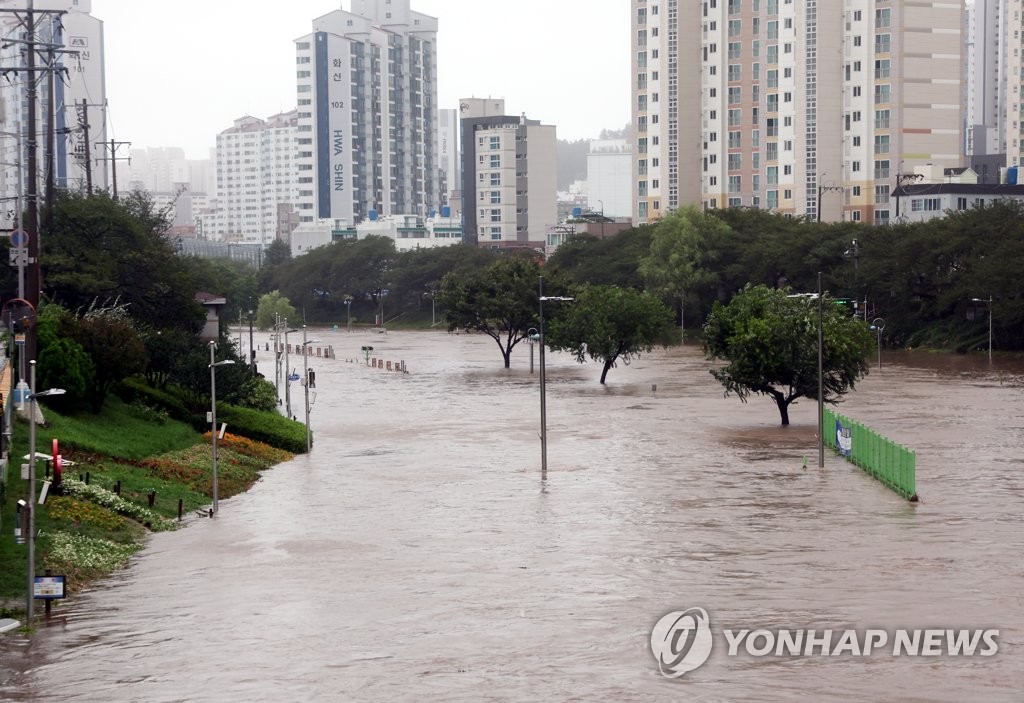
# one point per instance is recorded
(890, 463)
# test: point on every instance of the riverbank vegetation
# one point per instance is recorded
(126, 474)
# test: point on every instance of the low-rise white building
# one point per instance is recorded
(940, 190)
(409, 232)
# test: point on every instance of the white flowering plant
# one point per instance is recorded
(112, 501)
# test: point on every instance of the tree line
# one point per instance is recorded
(109, 262)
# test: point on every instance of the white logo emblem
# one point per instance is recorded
(681, 641)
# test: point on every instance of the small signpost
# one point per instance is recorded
(49, 588)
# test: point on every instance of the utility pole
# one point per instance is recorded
(86, 158)
(27, 19)
(825, 189)
(112, 146)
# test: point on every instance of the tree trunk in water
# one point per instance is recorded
(604, 372)
(780, 400)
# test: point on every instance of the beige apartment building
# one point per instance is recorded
(804, 107)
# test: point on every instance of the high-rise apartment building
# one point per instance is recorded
(367, 114)
(509, 169)
(255, 163)
(79, 93)
(1011, 41)
(804, 107)
(448, 156)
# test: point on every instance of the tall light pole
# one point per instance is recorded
(348, 312)
(543, 389)
(878, 324)
(277, 356)
(305, 380)
(213, 414)
(989, 301)
(252, 349)
(30, 538)
(287, 372)
(682, 316)
(821, 387)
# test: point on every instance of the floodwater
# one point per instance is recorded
(418, 554)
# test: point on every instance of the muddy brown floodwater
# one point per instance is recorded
(417, 554)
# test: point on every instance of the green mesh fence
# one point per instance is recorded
(890, 463)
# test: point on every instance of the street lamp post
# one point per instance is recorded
(305, 380)
(287, 372)
(682, 316)
(30, 538)
(531, 339)
(543, 389)
(821, 386)
(213, 414)
(989, 301)
(252, 349)
(878, 324)
(348, 313)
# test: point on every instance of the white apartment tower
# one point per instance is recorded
(367, 114)
(79, 92)
(803, 107)
(256, 177)
(509, 169)
(448, 156)
(1012, 58)
(609, 173)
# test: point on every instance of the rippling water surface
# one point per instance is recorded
(417, 553)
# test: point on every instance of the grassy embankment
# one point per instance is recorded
(92, 531)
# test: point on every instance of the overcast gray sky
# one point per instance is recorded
(180, 72)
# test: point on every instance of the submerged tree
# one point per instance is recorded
(609, 324)
(770, 340)
(502, 301)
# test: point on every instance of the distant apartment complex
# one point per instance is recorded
(79, 94)
(508, 176)
(256, 176)
(367, 114)
(809, 108)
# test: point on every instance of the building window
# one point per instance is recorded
(495, 179)
(961, 203)
(495, 215)
(495, 142)
(495, 197)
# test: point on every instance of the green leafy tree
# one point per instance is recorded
(271, 307)
(165, 350)
(609, 324)
(104, 252)
(610, 261)
(63, 363)
(502, 301)
(681, 258)
(770, 341)
(109, 337)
